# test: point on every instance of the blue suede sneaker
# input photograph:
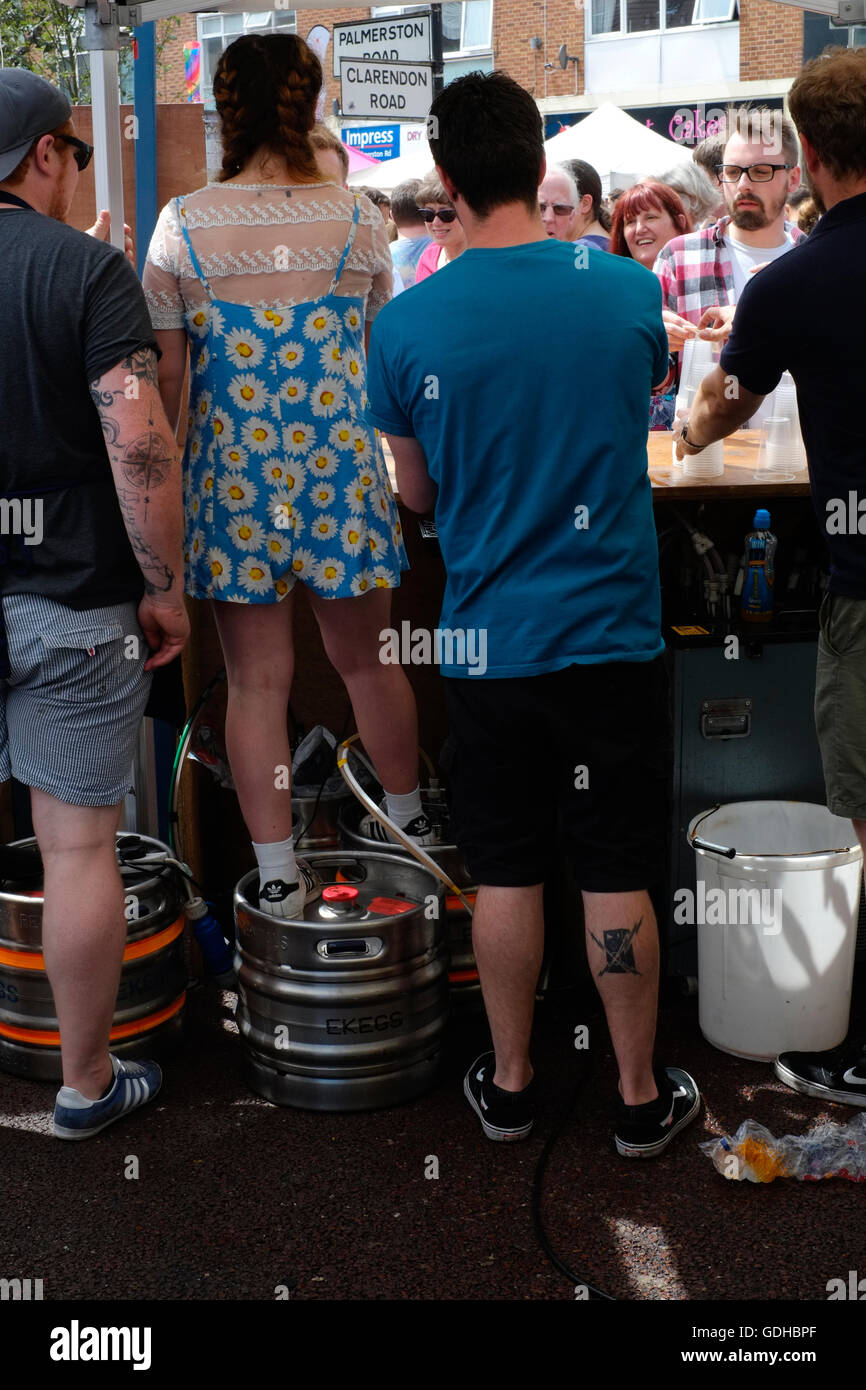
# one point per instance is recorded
(135, 1083)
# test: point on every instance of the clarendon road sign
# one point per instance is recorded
(404, 90)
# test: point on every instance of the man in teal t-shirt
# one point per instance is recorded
(512, 387)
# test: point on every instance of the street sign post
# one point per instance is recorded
(403, 90)
(406, 39)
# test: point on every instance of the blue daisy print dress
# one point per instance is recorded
(283, 478)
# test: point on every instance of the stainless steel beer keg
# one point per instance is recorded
(148, 1017)
(315, 821)
(462, 971)
(345, 1007)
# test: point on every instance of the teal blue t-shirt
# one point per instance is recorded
(524, 373)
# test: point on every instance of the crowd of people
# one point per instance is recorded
(511, 378)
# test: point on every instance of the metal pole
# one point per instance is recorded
(102, 39)
(144, 130)
(436, 47)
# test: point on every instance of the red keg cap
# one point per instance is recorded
(340, 893)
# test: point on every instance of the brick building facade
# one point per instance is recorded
(754, 55)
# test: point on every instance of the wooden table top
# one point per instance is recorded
(738, 480)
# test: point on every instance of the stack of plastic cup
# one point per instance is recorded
(779, 453)
(784, 406)
(698, 360)
(709, 463)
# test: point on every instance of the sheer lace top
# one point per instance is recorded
(265, 246)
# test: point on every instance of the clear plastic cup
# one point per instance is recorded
(785, 405)
(778, 454)
(698, 360)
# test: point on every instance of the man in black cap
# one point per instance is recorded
(90, 572)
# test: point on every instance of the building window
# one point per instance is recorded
(217, 31)
(467, 28)
(642, 16)
(606, 18)
(654, 16)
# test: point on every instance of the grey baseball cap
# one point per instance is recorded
(30, 106)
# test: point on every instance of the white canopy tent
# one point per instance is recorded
(390, 172)
(617, 146)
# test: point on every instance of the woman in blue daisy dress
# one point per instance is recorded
(271, 276)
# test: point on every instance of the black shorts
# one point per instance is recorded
(577, 762)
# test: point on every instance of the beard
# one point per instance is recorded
(751, 219)
(815, 195)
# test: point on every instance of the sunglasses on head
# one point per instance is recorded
(444, 214)
(83, 153)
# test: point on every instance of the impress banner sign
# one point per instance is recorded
(378, 141)
(406, 40)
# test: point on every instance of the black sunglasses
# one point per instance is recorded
(83, 152)
(444, 214)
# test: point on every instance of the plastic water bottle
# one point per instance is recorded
(756, 604)
(212, 944)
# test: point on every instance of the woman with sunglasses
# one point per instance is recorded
(269, 274)
(449, 238)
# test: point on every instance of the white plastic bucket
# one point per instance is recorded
(775, 967)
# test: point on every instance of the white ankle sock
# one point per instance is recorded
(403, 809)
(275, 861)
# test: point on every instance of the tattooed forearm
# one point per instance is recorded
(618, 952)
(158, 577)
(147, 461)
(145, 466)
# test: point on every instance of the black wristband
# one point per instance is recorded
(691, 442)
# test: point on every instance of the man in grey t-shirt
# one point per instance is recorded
(90, 573)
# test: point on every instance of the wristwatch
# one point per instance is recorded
(691, 443)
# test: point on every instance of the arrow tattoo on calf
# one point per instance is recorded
(618, 953)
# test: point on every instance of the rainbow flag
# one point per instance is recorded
(192, 71)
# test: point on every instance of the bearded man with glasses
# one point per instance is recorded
(704, 273)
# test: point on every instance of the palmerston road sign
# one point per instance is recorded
(404, 90)
(402, 40)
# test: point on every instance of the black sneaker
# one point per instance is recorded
(505, 1116)
(644, 1131)
(839, 1074)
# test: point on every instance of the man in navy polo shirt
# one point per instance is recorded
(805, 314)
(513, 388)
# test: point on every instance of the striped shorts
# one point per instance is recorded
(71, 707)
